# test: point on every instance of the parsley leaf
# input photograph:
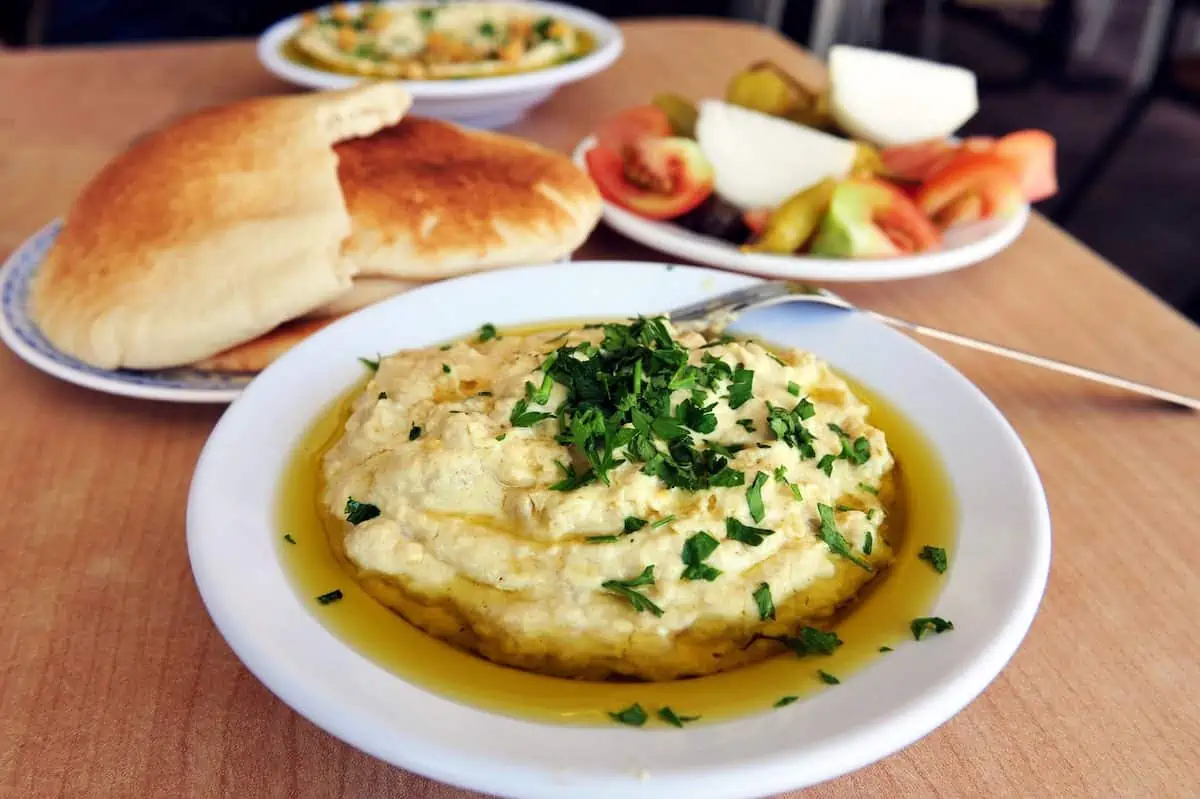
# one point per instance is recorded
(793, 388)
(751, 536)
(809, 641)
(446, 368)
(695, 551)
(857, 451)
(836, 542)
(487, 332)
(868, 543)
(288, 537)
(632, 524)
(372, 365)
(741, 387)
(826, 464)
(885, 649)
(633, 715)
(747, 425)
(869, 489)
(663, 522)
(766, 605)
(626, 588)
(828, 678)
(359, 512)
(788, 426)
(382, 395)
(414, 433)
(923, 625)
(486, 28)
(571, 480)
(784, 701)
(754, 497)
(668, 715)
(601, 539)
(936, 557)
(330, 597)
(521, 416)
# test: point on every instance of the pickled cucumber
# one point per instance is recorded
(867, 161)
(680, 111)
(794, 222)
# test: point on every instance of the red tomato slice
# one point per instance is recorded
(672, 176)
(1032, 153)
(984, 174)
(902, 221)
(756, 219)
(916, 161)
(619, 132)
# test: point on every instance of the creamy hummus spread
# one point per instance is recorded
(455, 40)
(626, 499)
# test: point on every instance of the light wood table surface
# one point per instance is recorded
(113, 681)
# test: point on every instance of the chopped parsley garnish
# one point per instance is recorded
(626, 588)
(601, 539)
(869, 489)
(288, 537)
(331, 597)
(486, 28)
(359, 512)
(382, 395)
(793, 388)
(926, 623)
(414, 433)
(936, 557)
(502, 436)
(784, 701)
(788, 426)
(836, 542)
(857, 451)
(668, 715)
(541, 394)
(781, 477)
(425, 15)
(488, 331)
(868, 543)
(695, 551)
(775, 358)
(483, 393)
(633, 715)
(632, 524)
(521, 416)
(766, 606)
(542, 27)
(372, 365)
(885, 649)
(754, 497)
(810, 641)
(446, 368)
(747, 425)
(751, 536)
(445, 347)
(741, 387)
(572, 480)
(828, 678)
(826, 464)
(663, 522)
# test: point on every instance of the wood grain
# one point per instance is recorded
(113, 682)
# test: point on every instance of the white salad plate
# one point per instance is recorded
(962, 246)
(998, 570)
(491, 102)
(21, 334)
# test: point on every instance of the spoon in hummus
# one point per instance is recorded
(717, 313)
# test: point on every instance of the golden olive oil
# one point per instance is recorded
(924, 513)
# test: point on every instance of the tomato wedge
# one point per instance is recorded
(622, 130)
(659, 178)
(916, 162)
(1032, 155)
(988, 176)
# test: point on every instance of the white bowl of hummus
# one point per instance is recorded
(518, 532)
(476, 62)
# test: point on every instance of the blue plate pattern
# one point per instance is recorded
(24, 338)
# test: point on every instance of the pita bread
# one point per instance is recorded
(363, 291)
(430, 200)
(259, 353)
(209, 232)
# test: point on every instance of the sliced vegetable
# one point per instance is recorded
(1032, 155)
(871, 218)
(791, 225)
(619, 132)
(917, 162)
(868, 162)
(660, 178)
(681, 113)
(718, 218)
(984, 175)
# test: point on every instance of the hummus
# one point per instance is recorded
(626, 499)
(458, 40)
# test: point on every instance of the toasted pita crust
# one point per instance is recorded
(209, 232)
(259, 353)
(429, 200)
(363, 291)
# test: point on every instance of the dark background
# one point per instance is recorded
(1142, 212)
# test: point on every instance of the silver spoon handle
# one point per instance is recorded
(1046, 363)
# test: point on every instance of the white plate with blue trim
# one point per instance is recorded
(999, 563)
(962, 246)
(21, 334)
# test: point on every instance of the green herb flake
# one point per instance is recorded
(632, 524)
(521, 416)
(695, 551)
(836, 542)
(793, 388)
(633, 715)
(663, 522)
(487, 28)
(869, 489)
(751, 536)
(359, 512)
(288, 537)
(885, 649)
(741, 386)
(446, 368)
(625, 588)
(414, 433)
(487, 332)
(572, 479)
(445, 347)
(747, 425)
(426, 15)
(828, 678)
(826, 464)
(601, 539)
(669, 716)
(766, 606)
(868, 543)
(784, 701)
(382, 395)
(373, 365)
(542, 27)
(754, 497)
(502, 436)
(331, 597)
(936, 556)
(929, 623)
(809, 641)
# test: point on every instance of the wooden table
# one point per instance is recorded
(113, 681)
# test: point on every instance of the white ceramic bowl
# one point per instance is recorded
(478, 102)
(999, 563)
(962, 246)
